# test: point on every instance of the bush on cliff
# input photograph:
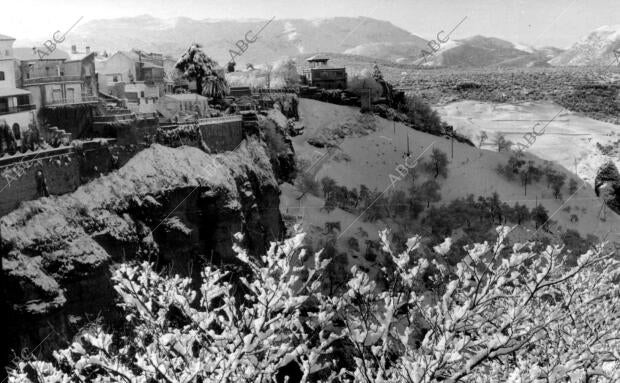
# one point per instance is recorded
(363, 83)
(505, 314)
(422, 116)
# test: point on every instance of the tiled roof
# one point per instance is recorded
(79, 56)
(30, 54)
(5, 37)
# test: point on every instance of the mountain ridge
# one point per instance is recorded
(360, 36)
(482, 51)
(357, 36)
(280, 37)
(596, 48)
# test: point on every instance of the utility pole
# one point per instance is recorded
(450, 130)
(408, 152)
(394, 124)
(575, 165)
(452, 146)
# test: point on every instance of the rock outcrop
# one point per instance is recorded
(607, 185)
(175, 207)
(274, 132)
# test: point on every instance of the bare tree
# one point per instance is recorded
(483, 137)
(437, 164)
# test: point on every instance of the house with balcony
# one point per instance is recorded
(86, 61)
(62, 85)
(16, 109)
(323, 76)
(134, 75)
(58, 79)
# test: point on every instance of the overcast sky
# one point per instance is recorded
(534, 22)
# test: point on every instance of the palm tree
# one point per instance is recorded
(215, 85)
(196, 65)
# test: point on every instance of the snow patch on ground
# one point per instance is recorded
(524, 48)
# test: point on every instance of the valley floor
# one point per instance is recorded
(569, 139)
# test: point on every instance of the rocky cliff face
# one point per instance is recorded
(176, 207)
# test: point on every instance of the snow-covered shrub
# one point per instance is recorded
(504, 315)
(217, 339)
(285, 73)
(507, 315)
(362, 82)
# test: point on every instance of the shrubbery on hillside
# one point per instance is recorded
(363, 82)
(422, 116)
(527, 172)
(597, 100)
(475, 218)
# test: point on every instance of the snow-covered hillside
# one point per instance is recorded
(371, 157)
(597, 48)
(482, 51)
(277, 38)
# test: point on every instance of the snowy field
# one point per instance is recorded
(569, 140)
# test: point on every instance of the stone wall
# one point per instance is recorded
(127, 128)
(64, 169)
(141, 130)
(222, 134)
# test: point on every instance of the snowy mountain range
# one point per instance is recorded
(480, 51)
(359, 36)
(278, 38)
(597, 48)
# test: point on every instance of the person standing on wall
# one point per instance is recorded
(41, 184)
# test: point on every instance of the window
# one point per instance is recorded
(1, 76)
(56, 95)
(23, 100)
(132, 97)
(70, 95)
(142, 94)
(16, 131)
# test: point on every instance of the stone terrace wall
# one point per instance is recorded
(64, 169)
(221, 134)
(218, 133)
